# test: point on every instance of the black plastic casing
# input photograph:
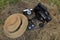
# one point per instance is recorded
(41, 13)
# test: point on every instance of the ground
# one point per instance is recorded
(51, 30)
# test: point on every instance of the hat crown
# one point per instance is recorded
(11, 20)
(12, 23)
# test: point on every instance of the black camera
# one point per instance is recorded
(41, 13)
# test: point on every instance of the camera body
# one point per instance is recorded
(41, 13)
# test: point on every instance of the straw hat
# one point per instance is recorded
(15, 25)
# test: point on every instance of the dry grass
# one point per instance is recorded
(51, 30)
